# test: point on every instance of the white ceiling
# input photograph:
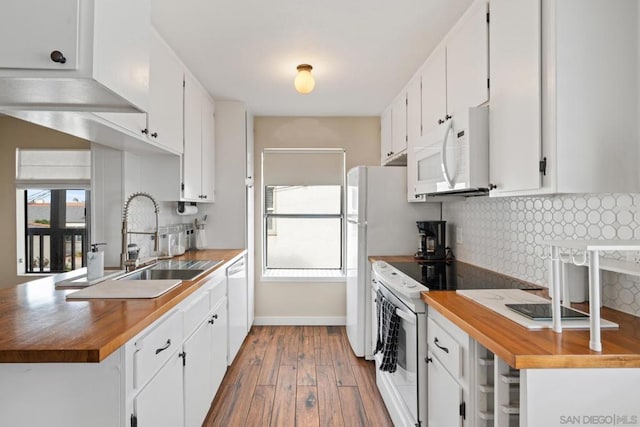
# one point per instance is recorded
(362, 51)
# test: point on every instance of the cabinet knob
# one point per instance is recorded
(213, 319)
(57, 56)
(205, 196)
(492, 186)
(145, 131)
(428, 359)
(154, 135)
(440, 121)
(447, 117)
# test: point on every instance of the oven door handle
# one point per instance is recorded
(411, 318)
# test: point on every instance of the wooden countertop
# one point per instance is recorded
(522, 348)
(39, 325)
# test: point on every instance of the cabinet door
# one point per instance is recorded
(467, 61)
(444, 396)
(208, 150)
(434, 90)
(197, 375)
(399, 124)
(385, 134)
(166, 96)
(515, 119)
(160, 403)
(414, 132)
(192, 156)
(219, 346)
(42, 27)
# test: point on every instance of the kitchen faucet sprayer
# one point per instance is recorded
(127, 262)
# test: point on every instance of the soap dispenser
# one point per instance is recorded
(95, 262)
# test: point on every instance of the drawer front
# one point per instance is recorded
(195, 312)
(217, 290)
(445, 348)
(155, 347)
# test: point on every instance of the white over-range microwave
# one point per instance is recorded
(454, 157)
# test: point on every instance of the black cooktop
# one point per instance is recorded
(452, 275)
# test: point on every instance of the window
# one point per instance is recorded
(53, 209)
(303, 193)
(55, 230)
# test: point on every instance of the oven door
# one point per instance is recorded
(404, 381)
(436, 161)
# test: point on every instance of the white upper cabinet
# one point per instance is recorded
(514, 119)
(165, 125)
(385, 134)
(455, 76)
(199, 139)
(468, 60)
(414, 127)
(564, 113)
(399, 124)
(434, 90)
(74, 55)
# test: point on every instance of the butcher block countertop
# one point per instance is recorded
(522, 348)
(39, 325)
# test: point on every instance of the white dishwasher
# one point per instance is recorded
(237, 297)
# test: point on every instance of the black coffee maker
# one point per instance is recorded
(432, 240)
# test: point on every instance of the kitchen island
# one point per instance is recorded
(114, 362)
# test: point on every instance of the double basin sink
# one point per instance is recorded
(171, 270)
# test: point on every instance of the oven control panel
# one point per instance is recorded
(397, 281)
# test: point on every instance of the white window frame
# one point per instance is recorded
(304, 275)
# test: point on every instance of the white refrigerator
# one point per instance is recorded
(380, 221)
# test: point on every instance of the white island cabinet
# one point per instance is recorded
(89, 55)
(165, 376)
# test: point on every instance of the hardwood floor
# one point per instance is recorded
(298, 376)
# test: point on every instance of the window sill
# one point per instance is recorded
(302, 275)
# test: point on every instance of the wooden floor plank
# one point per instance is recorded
(352, 409)
(306, 362)
(271, 362)
(260, 390)
(341, 362)
(376, 413)
(237, 411)
(307, 406)
(261, 406)
(323, 350)
(284, 404)
(329, 407)
(290, 352)
(220, 406)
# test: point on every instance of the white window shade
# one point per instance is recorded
(303, 167)
(53, 168)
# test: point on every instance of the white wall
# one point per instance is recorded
(306, 302)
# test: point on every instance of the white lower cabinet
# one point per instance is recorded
(448, 373)
(160, 402)
(197, 375)
(445, 396)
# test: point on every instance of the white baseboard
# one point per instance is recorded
(301, 321)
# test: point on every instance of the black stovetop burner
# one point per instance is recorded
(451, 275)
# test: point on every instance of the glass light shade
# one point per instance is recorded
(304, 81)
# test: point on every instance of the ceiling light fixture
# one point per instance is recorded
(304, 82)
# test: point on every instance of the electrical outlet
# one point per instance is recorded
(633, 256)
(459, 240)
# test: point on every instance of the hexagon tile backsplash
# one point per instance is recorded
(503, 234)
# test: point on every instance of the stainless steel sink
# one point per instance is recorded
(170, 269)
(152, 274)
